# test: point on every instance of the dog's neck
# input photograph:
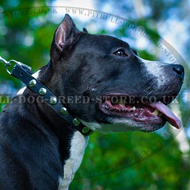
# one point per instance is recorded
(71, 143)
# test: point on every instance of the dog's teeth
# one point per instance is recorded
(123, 109)
(121, 102)
(156, 112)
(105, 106)
(133, 108)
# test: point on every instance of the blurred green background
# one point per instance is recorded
(134, 160)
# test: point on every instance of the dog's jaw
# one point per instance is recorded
(120, 125)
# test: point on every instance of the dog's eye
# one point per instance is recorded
(120, 52)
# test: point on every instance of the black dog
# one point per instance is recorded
(38, 150)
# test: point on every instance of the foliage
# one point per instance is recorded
(118, 161)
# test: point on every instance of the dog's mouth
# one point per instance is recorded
(148, 113)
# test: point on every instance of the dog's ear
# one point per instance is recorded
(65, 36)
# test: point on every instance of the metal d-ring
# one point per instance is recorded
(7, 64)
(8, 69)
(21, 64)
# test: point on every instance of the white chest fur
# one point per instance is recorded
(78, 145)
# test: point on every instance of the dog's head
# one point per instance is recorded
(108, 86)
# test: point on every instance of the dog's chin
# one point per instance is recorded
(132, 125)
(115, 124)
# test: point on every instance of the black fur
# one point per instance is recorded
(34, 141)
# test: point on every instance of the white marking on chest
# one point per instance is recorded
(35, 75)
(21, 91)
(78, 145)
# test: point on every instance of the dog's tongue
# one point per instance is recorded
(167, 112)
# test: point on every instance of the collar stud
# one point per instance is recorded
(32, 83)
(76, 122)
(85, 130)
(42, 91)
(53, 100)
(64, 111)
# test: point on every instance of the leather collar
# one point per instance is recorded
(24, 74)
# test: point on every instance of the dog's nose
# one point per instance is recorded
(179, 70)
